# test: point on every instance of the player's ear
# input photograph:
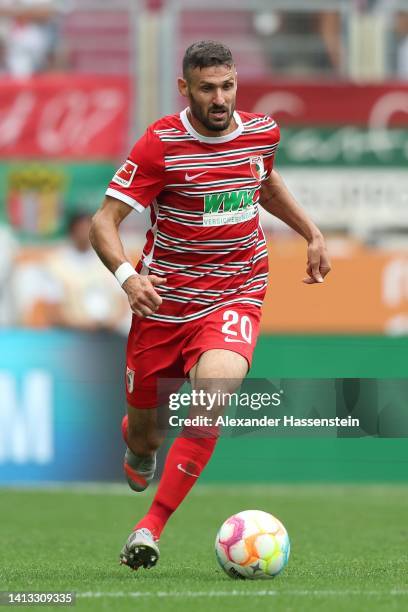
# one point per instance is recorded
(182, 86)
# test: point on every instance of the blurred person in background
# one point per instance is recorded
(401, 28)
(301, 42)
(329, 28)
(390, 11)
(29, 36)
(79, 293)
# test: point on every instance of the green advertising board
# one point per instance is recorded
(37, 197)
(344, 146)
(253, 458)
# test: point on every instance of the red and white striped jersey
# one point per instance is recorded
(205, 235)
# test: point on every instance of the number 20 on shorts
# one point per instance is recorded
(236, 327)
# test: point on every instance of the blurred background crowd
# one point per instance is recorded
(297, 38)
(79, 82)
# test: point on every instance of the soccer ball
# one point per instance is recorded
(252, 544)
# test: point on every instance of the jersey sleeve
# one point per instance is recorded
(269, 158)
(141, 178)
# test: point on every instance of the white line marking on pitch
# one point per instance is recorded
(235, 593)
(116, 488)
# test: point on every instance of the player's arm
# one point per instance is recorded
(105, 239)
(276, 199)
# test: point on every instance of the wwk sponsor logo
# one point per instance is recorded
(226, 208)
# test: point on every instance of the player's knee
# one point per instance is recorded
(204, 434)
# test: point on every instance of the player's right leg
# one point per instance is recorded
(146, 361)
(153, 357)
(142, 437)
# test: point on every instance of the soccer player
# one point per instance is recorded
(197, 292)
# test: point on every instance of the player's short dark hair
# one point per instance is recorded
(205, 53)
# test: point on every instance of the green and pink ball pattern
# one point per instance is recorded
(252, 544)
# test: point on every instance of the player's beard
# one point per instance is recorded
(205, 118)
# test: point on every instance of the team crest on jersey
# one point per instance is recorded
(124, 176)
(130, 379)
(257, 167)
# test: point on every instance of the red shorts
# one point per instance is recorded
(158, 351)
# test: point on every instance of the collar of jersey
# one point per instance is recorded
(212, 139)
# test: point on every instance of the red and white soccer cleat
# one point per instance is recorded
(140, 550)
(139, 471)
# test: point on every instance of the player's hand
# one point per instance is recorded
(318, 263)
(143, 297)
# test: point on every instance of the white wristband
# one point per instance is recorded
(125, 271)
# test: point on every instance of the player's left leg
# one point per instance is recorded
(212, 369)
(217, 371)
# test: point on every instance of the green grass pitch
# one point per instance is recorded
(349, 548)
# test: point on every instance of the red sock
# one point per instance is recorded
(185, 461)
